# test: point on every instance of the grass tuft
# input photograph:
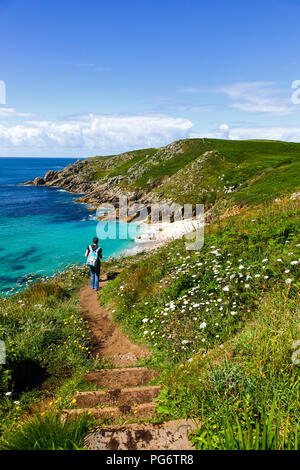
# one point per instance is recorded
(48, 432)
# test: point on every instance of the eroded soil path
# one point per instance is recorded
(123, 401)
(108, 340)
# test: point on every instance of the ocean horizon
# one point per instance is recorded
(42, 228)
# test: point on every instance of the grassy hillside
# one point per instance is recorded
(48, 349)
(174, 298)
(48, 346)
(220, 322)
(207, 170)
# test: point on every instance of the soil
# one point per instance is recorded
(108, 340)
(124, 394)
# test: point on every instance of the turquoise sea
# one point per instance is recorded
(42, 229)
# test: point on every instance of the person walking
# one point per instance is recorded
(94, 254)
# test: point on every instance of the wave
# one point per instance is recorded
(92, 217)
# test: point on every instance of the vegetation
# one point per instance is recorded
(184, 301)
(48, 432)
(220, 321)
(47, 344)
(207, 171)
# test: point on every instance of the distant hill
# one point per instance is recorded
(207, 171)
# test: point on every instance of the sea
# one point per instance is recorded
(42, 229)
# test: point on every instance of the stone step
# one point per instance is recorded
(117, 397)
(120, 378)
(114, 413)
(171, 435)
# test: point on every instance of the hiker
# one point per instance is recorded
(94, 254)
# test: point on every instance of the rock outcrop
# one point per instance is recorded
(137, 176)
(38, 181)
(79, 178)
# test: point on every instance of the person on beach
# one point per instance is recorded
(94, 254)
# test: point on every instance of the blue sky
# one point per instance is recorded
(98, 77)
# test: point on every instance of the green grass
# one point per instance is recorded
(249, 385)
(248, 433)
(225, 355)
(220, 322)
(48, 432)
(286, 177)
(249, 168)
(120, 163)
(139, 156)
(47, 343)
(61, 341)
(241, 172)
(174, 298)
(48, 350)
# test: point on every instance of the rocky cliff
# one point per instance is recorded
(217, 173)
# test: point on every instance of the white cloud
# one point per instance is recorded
(259, 97)
(288, 134)
(224, 127)
(97, 133)
(12, 112)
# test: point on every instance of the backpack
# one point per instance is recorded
(93, 259)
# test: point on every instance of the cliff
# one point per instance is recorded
(222, 175)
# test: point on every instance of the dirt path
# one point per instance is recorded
(108, 339)
(123, 394)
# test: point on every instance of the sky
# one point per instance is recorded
(80, 78)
